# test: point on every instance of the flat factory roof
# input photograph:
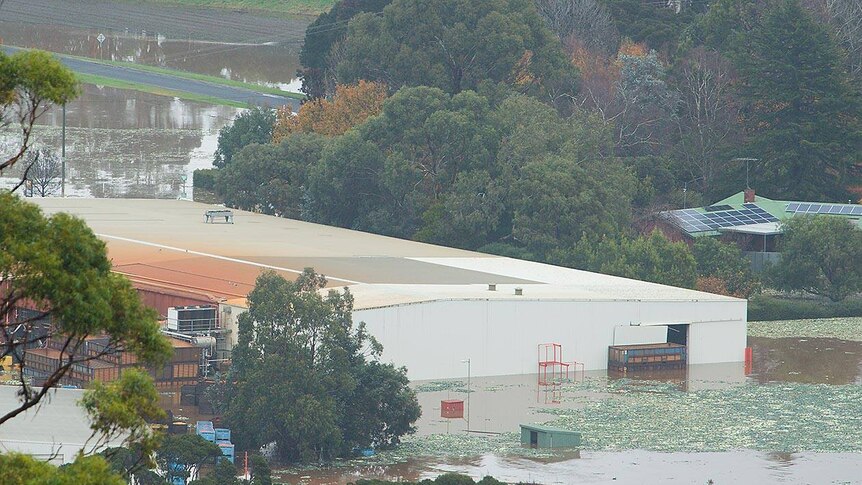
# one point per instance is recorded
(167, 243)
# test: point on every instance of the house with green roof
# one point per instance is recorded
(752, 222)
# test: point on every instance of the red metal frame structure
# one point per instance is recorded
(552, 369)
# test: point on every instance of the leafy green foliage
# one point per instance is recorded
(30, 83)
(726, 262)
(18, 469)
(801, 113)
(305, 377)
(459, 170)
(786, 307)
(204, 178)
(269, 178)
(178, 455)
(261, 474)
(651, 22)
(455, 45)
(820, 255)
(132, 464)
(61, 264)
(123, 408)
(224, 473)
(322, 35)
(252, 126)
(649, 258)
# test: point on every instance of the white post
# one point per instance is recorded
(467, 361)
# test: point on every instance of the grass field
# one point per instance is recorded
(146, 88)
(288, 7)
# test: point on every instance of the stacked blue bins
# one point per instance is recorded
(222, 435)
(176, 467)
(219, 436)
(205, 430)
(223, 441)
(227, 450)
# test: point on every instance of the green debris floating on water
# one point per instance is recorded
(840, 328)
(768, 417)
(436, 386)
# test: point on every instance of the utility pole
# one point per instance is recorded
(63, 157)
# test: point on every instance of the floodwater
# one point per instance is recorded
(271, 59)
(122, 143)
(794, 417)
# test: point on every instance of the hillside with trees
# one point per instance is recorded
(555, 130)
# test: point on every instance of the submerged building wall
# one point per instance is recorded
(500, 337)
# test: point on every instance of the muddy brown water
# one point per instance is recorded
(123, 143)
(267, 60)
(499, 404)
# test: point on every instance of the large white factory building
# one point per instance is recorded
(431, 307)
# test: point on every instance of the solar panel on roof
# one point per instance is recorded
(691, 220)
(714, 208)
(810, 208)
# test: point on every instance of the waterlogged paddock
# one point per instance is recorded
(796, 417)
(123, 143)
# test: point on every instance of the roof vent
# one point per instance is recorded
(492, 287)
(519, 291)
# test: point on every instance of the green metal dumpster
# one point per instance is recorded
(538, 436)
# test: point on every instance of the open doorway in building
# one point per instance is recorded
(677, 334)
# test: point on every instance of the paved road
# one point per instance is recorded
(173, 83)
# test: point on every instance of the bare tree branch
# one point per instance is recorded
(586, 21)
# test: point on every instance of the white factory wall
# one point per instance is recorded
(500, 337)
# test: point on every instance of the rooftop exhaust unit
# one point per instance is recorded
(192, 320)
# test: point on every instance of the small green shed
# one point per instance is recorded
(537, 436)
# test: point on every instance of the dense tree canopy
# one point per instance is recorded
(821, 256)
(252, 126)
(307, 378)
(649, 258)
(269, 178)
(18, 469)
(485, 144)
(180, 455)
(801, 113)
(322, 37)
(723, 268)
(456, 45)
(464, 170)
(348, 107)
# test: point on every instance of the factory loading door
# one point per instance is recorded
(677, 334)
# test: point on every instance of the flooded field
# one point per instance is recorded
(794, 417)
(270, 60)
(123, 143)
